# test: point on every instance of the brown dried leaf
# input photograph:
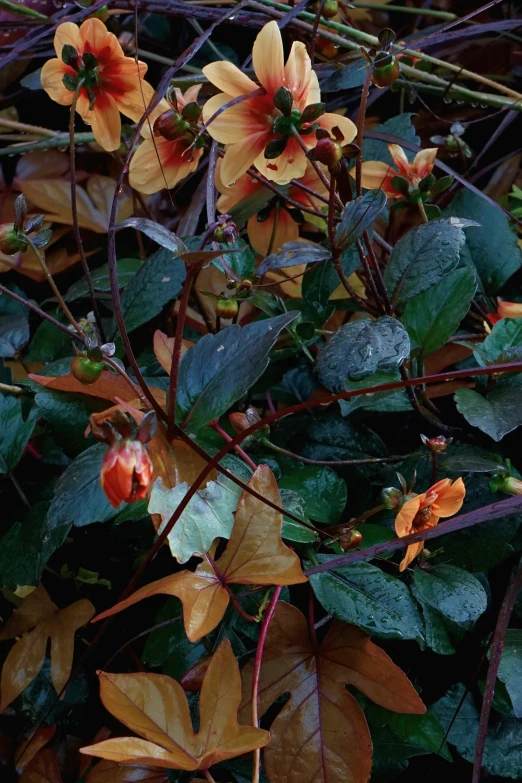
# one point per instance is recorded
(112, 772)
(42, 769)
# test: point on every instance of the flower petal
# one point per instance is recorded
(239, 157)
(104, 118)
(507, 309)
(424, 162)
(376, 175)
(229, 79)
(405, 517)
(298, 75)
(400, 160)
(291, 164)
(267, 58)
(345, 125)
(52, 81)
(235, 123)
(450, 500)
(67, 33)
(229, 197)
(154, 168)
(97, 39)
(133, 103)
(260, 233)
(412, 552)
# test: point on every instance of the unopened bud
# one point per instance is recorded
(226, 308)
(86, 370)
(330, 9)
(170, 125)
(511, 486)
(239, 422)
(386, 70)
(193, 679)
(350, 540)
(328, 152)
(11, 241)
(437, 445)
(391, 497)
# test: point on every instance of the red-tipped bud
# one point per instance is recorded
(226, 308)
(328, 152)
(86, 370)
(437, 445)
(126, 472)
(386, 70)
(11, 241)
(391, 497)
(170, 125)
(193, 679)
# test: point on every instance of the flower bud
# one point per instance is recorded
(386, 70)
(11, 241)
(350, 540)
(86, 370)
(511, 486)
(245, 285)
(330, 9)
(193, 679)
(437, 445)
(239, 422)
(328, 152)
(101, 13)
(126, 472)
(170, 125)
(226, 308)
(391, 497)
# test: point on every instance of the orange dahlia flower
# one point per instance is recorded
(126, 472)
(260, 230)
(250, 125)
(505, 310)
(376, 174)
(112, 83)
(420, 512)
(161, 160)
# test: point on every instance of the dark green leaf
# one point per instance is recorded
(168, 647)
(22, 557)
(127, 268)
(453, 592)
(433, 316)
(364, 595)
(321, 490)
(331, 437)
(242, 263)
(469, 464)
(68, 415)
(400, 126)
(390, 755)
(14, 334)
(349, 76)
(292, 530)
(496, 415)
(48, 344)
(220, 368)
(422, 731)
(293, 253)
(14, 431)
(357, 217)
(155, 231)
(371, 399)
(505, 335)
(320, 283)
(510, 670)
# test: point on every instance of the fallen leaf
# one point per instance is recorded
(37, 620)
(164, 348)
(155, 707)
(112, 772)
(26, 752)
(42, 769)
(108, 386)
(254, 555)
(321, 732)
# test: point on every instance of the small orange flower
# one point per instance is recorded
(250, 125)
(505, 310)
(442, 500)
(163, 162)
(376, 174)
(126, 472)
(113, 83)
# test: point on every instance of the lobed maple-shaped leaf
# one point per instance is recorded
(255, 555)
(155, 707)
(321, 733)
(37, 620)
(112, 772)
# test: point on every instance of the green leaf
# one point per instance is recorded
(293, 253)
(48, 344)
(360, 348)
(453, 592)
(250, 205)
(222, 367)
(14, 334)
(68, 416)
(400, 126)
(14, 431)
(22, 558)
(320, 283)
(155, 231)
(292, 530)
(510, 670)
(242, 263)
(331, 437)
(433, 316)
(496, 415)
(127, 268)
(157, 282)
(506, 334)
(470, 464)
(372, 398)
(169, 647)
(422, 731)
(441, 634)
(390, 755)
(320, 488)
(492, 247)
(349, 76)
(357, 217)
(422, 257)
(364, 595)
(209, 515)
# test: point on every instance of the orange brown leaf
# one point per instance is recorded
(112, 772)
(164, 348)
(254, 555)
(321, 732)
(42, 769)
(155, 707)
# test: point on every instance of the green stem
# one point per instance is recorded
(404, 9)
(455, 92)
(60, 140)
(17, 8)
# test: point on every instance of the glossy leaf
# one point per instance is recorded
(400, 126)
(510, 670)
(321, 490)
(14, 431)
(14, 334)
(321, 732)
(320, 282)
(291, 254)
(209, 381)
(496, 415)
(22, 554)
(368, 597)
(37, 620)
(254, 555)
(127, 268)
(155, 707)
(433, 316)
(349, 76)
(453, 592)
(357, 217)
(155, 231)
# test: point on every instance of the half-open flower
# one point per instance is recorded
(169, 155)
(505, 310)
(110, 82)
(376, 174)
(266, 118)
(420, 512)
(126, 472)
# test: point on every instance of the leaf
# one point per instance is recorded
(222, 367)
(422, 257)
(108, 386)
(43, 768)
(422, 731)
(14, 334)
(470, 464)
(293, 253)
(68, 417)
(492, 247)
(37, 620)
(158, 281)
(505, 335)
(496, 415)
(434, 316)
(320, 283)
(112, 772)
(14, 431)
(442, 636)
(372, 399)
(174, 461)
(349, 76)
(321, 732)
(322, 491)
(364, 595)
(400, 126)
(127, 268)
(169, 647)
(390, 755)
(155, 707)
(359, 349)
(254, 555)
(357, 217)
(510, 670)
(155, 231)
(22, 556)
(453, 592)
(292, 530)
(331, 437)
(164, 348)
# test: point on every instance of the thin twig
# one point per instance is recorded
(334, 462)
(41, 313)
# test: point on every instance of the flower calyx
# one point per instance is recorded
(226, 231)
(291, 121)
(453, 143)
(178, 123)
(14, 236)
(86, 71)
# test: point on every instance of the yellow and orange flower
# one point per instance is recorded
(378, 175)
(248, 126)
(420, 512)
(260, 231)
(115, 85)
(505, 310)
(160, 162)
(126, 472)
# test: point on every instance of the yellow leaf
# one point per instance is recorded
(155, 707)
(37, 620)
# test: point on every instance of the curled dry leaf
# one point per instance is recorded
(321, 732)
(155, 707)
(42, 769)
(255, 555)
(37, 620)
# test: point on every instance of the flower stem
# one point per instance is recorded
(360, 129)
(58, 140)
(41, 313)
(178, 341)
(422, 211)
(239, 451)
(208, 776)
(446, 16)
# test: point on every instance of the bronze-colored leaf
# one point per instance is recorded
(164, 348)
(321, 732)
(112, 772)
(37, 620)
(42, 769)
(155, 707)
(254, 555)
